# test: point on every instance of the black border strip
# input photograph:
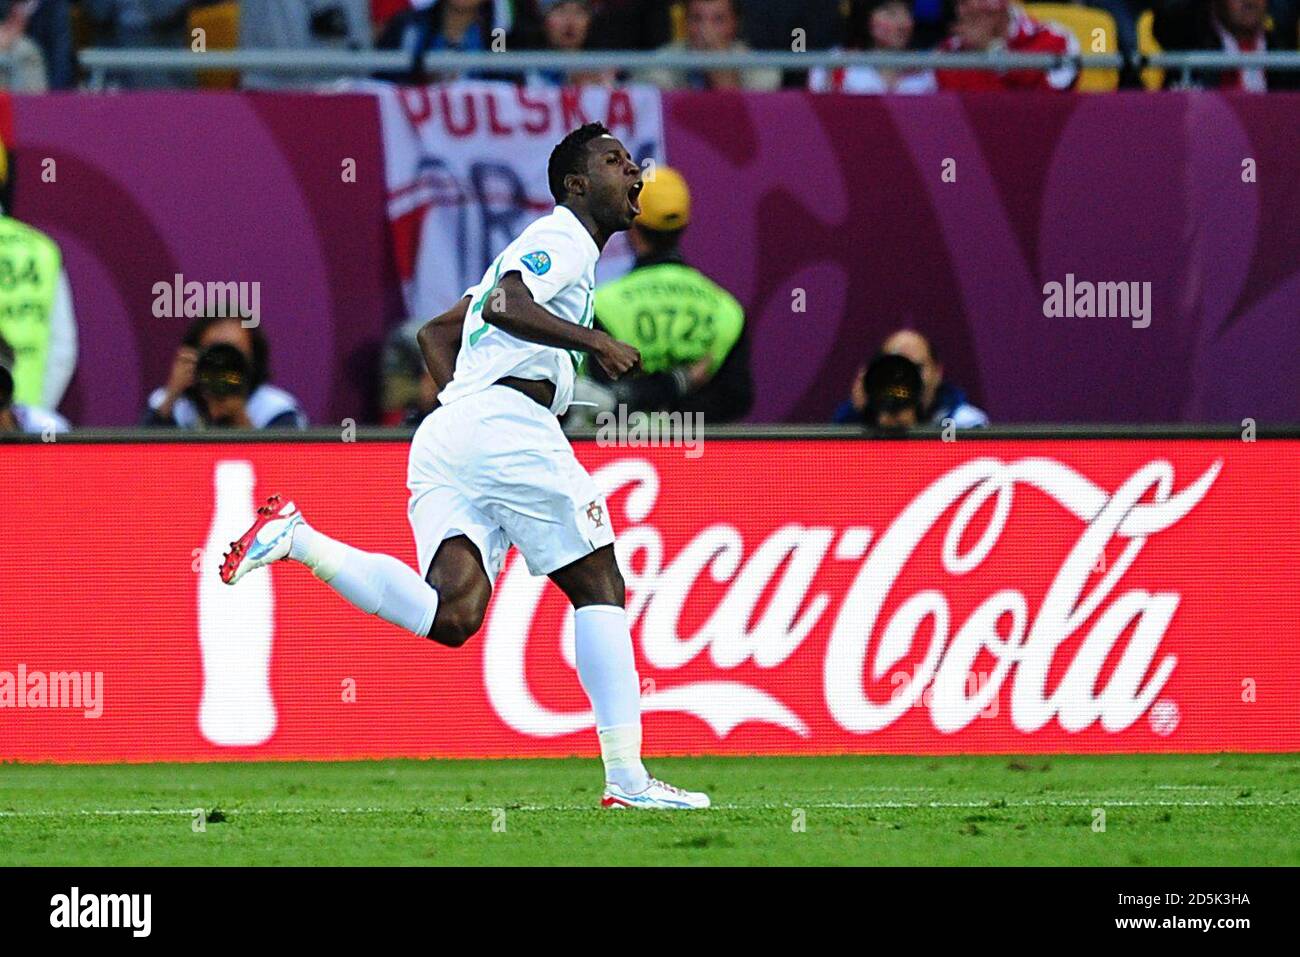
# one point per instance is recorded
(138, 436)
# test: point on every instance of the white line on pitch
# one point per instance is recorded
(1195, 787)
(487, 809)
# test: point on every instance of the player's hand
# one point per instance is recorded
(616, 358)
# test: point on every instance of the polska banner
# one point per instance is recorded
(465, 168)
(994, 596)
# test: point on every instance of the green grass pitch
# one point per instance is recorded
(1158, 810)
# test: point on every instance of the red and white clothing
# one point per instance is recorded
(1252, 80)
(870, 81)
(1024, 35)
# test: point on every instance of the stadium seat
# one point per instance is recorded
(1152, 78)
(1083, 22)
(677, 22)
(220, 25)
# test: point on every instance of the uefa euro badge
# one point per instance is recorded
(596, 514)
(538, 262)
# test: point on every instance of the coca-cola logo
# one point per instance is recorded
(1090, 612)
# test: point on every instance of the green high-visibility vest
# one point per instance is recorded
(672, 313)
(29, 277)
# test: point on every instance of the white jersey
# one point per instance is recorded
(556, 258)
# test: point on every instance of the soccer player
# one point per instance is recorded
(490, 467)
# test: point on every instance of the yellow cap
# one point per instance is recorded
(665, 201)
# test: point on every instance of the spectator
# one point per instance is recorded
(889, 26)
(36, 314)
(892, 389)
(940, 400)
(712, 26)
(49, 26)
(629, 24)
(933, 21)
(142, 23)
(27, 71)
(463, 25)
(771, 24)
(1001, 25)
(215, 388)
(566, 28)
(16, 417)
(381, 11)
(301, 25)
(1125, 13)
(690, 331)
(1229, 26)
(791, 25)
(408, 392)
(424, 401)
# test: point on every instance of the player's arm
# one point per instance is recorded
(439, 340)
(511, 307)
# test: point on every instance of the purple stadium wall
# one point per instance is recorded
(842, 198)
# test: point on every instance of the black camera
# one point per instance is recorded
(222, 371)
(893, 385)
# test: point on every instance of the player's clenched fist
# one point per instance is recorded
(616, 358)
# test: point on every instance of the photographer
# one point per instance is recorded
(222, 387)
(17, 417)
(942, 401)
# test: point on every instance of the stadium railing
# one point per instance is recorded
(100, 62)
(755, 431)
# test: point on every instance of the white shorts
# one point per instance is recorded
(496, 467)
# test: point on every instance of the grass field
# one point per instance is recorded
(1159, 810)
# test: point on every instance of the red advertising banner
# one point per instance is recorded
(791, 596)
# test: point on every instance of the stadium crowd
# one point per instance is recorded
(41, 37)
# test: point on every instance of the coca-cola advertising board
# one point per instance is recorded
(791, 596)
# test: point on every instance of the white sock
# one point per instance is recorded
(377, 584)
(607, 670)
(620, 749)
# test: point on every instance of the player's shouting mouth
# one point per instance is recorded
(634, 197)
